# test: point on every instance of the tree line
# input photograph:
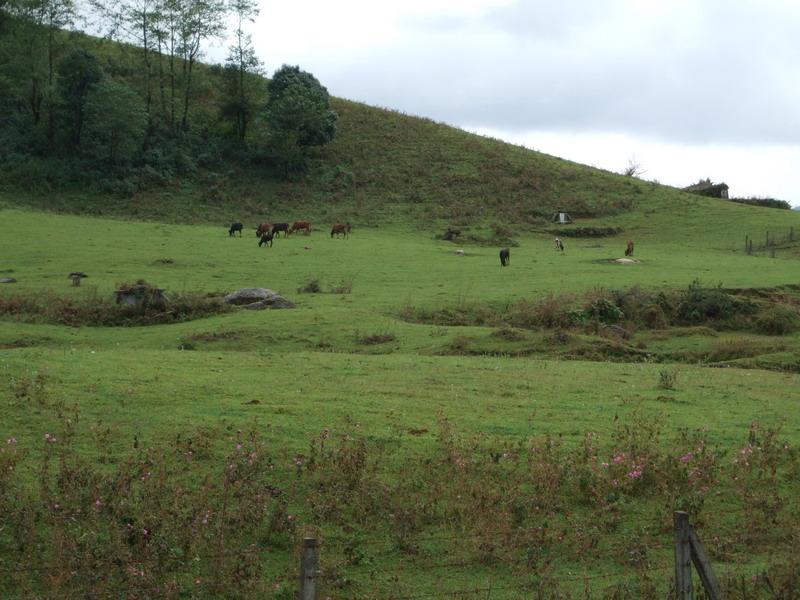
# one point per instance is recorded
(74, 106)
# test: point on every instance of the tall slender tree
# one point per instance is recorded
(53, 15)
(78, 72)
(242, 61)
(23, 65)
(41, 21)
(200, 20)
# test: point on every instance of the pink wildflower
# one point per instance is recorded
(636, 472)
(11, 440)
(604, 465)
(49, 438)
(687, 457)
(619, 458)
(238, 446)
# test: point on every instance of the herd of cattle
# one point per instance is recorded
(266, 232)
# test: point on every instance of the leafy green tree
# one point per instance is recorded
(78, 72)
(116, 122)
(298, 116)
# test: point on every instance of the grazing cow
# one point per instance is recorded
(266, 238)
(298, 225)
(629, 249)
(278, 227)
(559, 244)
(505, 257)
(263, 228)
(341, 229)
(234, 228)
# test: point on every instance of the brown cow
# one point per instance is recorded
(298, 225)
(629, 249)
(263, 228)
(341, 229)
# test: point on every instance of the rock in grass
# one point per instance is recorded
(257, 299)
(7, 280)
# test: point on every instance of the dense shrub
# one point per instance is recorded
(780, 320)
(699, 305)
(765, 202)
(604, 311)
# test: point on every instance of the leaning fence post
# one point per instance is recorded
(683, 557)
(703, 565)
(309, 563)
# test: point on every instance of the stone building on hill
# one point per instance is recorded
(705, 187)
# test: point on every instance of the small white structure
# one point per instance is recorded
(562, 218)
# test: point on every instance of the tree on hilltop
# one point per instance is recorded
(298, 115)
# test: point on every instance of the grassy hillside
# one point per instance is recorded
(382, 166)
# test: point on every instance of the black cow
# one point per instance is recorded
(284, 227)
(266, 238)
(505, 257)
(234, 228)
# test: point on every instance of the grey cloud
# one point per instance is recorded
(733, 79)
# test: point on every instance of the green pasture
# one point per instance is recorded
(294, 373)
(237, 354)
(154, 393)
(392, 265)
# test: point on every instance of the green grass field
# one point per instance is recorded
(291, 374)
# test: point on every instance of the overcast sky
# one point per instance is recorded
(685, 88)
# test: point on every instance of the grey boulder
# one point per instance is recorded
(257, 299)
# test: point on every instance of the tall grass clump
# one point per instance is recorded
(93, 310)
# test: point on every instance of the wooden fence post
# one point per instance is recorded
(309, 564)
(703, 566)
(683, 557)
